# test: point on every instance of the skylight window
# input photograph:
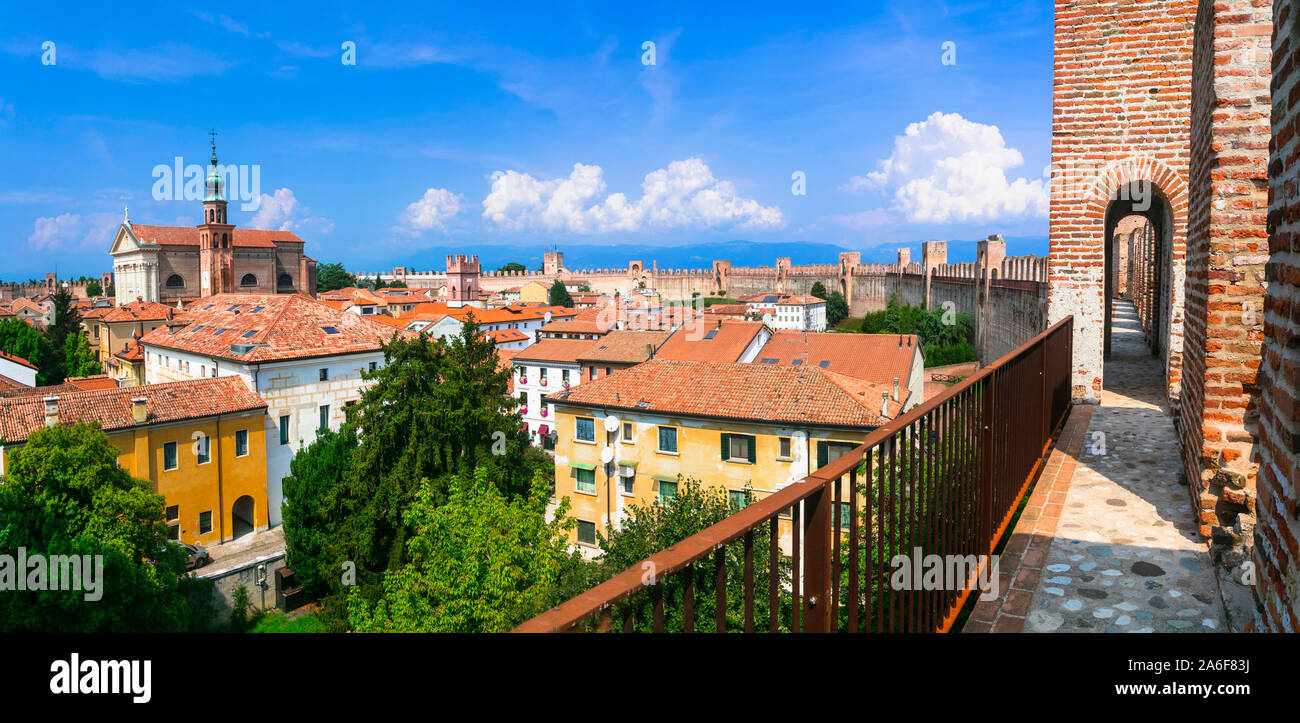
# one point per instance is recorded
(254, 311)
(209, 306)
(219, 332)
(233, 307)
(330, 330)
(712, 333)
(198, 328)
(248, 334)
(797, 362)
(824, 363)
(767, 360)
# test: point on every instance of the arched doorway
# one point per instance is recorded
(243, 516)
(1140, 217)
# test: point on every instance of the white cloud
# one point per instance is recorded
(682, 195)
(947, 169)
(432, 211)
(281, 211)
(74, 231)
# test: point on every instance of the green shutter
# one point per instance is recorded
(823, 454)
(726, 446)
(753, 442)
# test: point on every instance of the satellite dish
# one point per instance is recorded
(611, 423)
(607, 455)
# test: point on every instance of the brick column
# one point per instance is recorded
(1277, 550)
(1226, 252)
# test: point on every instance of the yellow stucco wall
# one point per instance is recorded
(699, 456)
(195, 488)
(533, 292)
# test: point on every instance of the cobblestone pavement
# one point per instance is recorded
(1125, 556)
(243, 550)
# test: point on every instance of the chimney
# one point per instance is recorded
(139, 413)
(895, 389)
(51, 411)
(884, 404)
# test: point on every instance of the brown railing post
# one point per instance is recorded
(816, 562)
(987, 455)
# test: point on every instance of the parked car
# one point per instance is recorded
(198, 556)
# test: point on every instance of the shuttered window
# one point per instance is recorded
(738, 448)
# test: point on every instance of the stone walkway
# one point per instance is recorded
(1108, 541)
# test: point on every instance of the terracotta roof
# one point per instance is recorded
(625, 346)
(719, 339)
(18, 305)
(270, 327)
(132, 351)
(98, 381)
(139, 311)
(872, 357)
(387, 320)
(17, 360)
(189, 236)
(499, 315)
(111, 408)
(95, 313)
(505, 336)
(555, 350)
(781, 299)
(755, 392)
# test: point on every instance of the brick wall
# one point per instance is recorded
(1277, 550)
(1226, 252)
(1120, 110)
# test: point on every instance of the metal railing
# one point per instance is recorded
(944, 479)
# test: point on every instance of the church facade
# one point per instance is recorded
(167, 264)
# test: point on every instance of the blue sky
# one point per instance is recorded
(528, 125)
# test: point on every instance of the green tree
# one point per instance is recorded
(318, 476)
(512, 266)
(559, 295)
(66, 322)
(434, 409)
(111, 291)
(331, 277)
(480, 562)
(21, 340)
(945, 335)
(819, 291)
(836, 308)
(94, 289)
(64, 494)
(649, 528)
(78, 358)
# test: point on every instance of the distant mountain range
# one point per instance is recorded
(692, 256)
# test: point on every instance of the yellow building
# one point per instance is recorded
(634, 435)
(534, 293)
(200, 442)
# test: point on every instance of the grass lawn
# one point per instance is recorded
(278, 622)
(711, 300)
(849, 323)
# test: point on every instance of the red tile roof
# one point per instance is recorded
(729, 340)
(754, 392)
(274, 327)
(555, 351)
(623, 346)
(98, 381)
(506, 336)
(111, 408)
(139, 311)
(189, 236)
(873, 357)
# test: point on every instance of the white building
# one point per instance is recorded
(789, 311)
(547, 367)
(16, 369)
(303, 357)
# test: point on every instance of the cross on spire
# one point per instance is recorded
(213, 133)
